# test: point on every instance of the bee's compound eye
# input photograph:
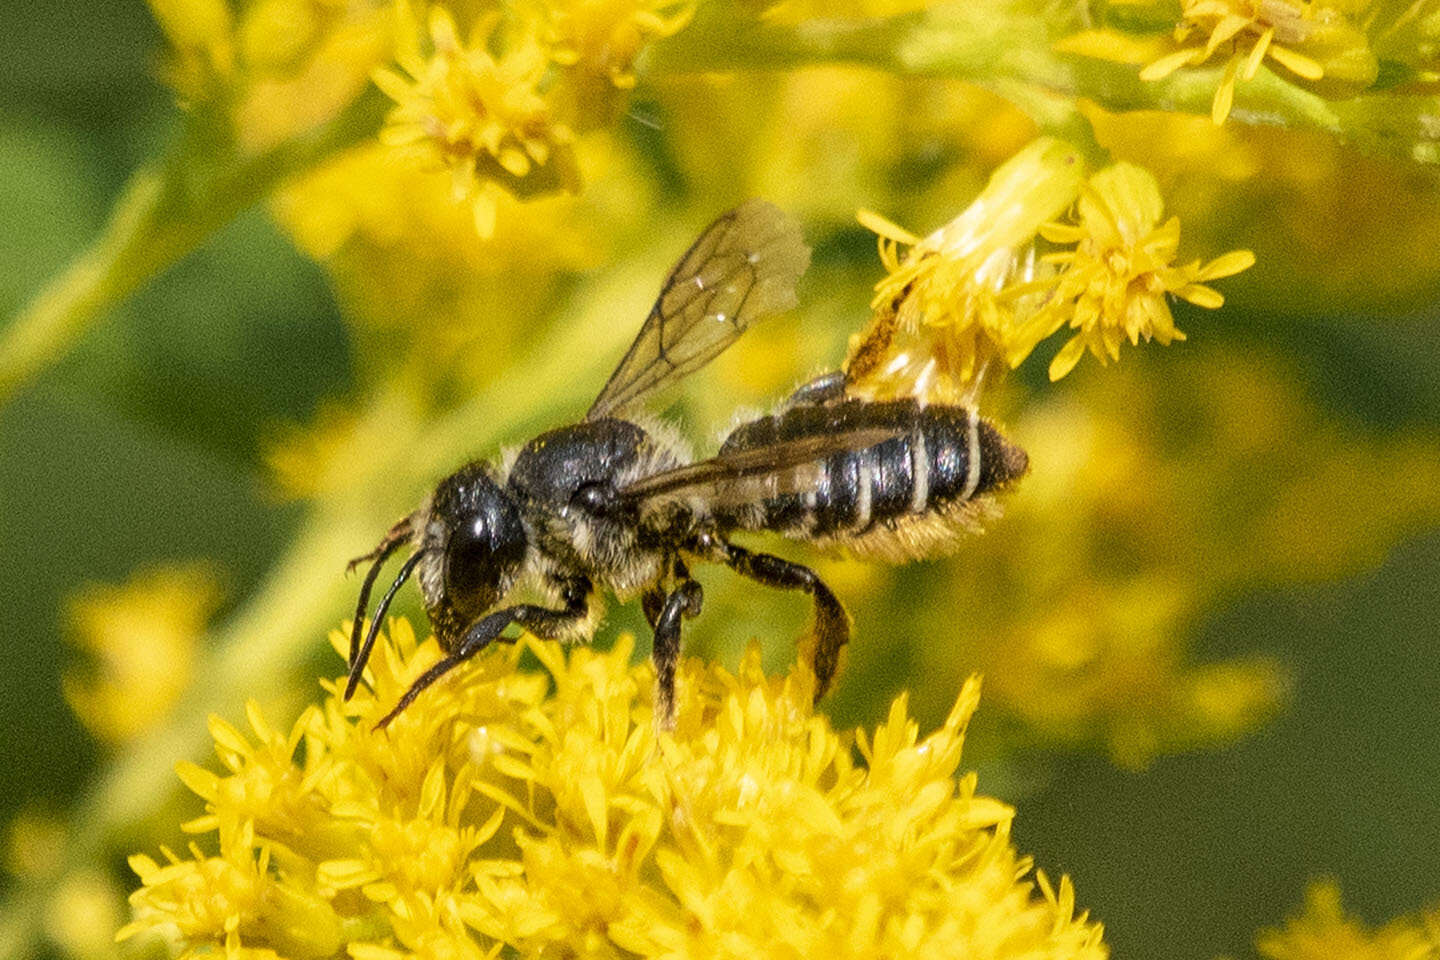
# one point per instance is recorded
(481, 557)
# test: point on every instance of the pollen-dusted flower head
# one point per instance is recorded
(542, 813)
(483, 116)
(977, 293)
(1116, 283)
(943, 314)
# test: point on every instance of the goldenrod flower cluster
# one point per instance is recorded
(1117, 281)
(1315, 41)
(1324, 932)
(978, 291)
(483, 117)
(500, 108)
(541, 812)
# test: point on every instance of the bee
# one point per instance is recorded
(607, 504)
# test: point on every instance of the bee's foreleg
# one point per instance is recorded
(541, 621)
(685, 602)
(832, 623)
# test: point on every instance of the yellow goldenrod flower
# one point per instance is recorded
(1324, 932)
(975, 292)
(1115, 285)
(237, 896)
(542, 814)
(142, 638)
(202, 44)
(1312, 40)
(276, 68)
(943, 313)
(483, 117)
(603, 37)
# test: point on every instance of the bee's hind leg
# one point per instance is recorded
(832, 623)
(683, 601)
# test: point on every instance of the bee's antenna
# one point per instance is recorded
(362, 656)
(382, 554)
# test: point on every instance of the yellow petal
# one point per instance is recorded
(1166, 65)
(1257, 53)
(1227, 265)
(200, 781)
(592, 792)
(1297, 63)
(1201, 296)
(1226, 29)
(1066, 359)
(1225, 95)
(880, 226)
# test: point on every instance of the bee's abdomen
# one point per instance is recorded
(936, 458)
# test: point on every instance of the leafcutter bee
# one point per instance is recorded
(607, 504)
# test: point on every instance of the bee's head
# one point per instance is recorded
(473, 544)
(469, 546)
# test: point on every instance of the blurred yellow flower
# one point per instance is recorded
(483, 117)
(1324, 932)
(545, 815)
(1309, 38)
(142, 638)
(202, 45)
(1162, 492)
(275, 68)
(1116, 284)
(603, 37)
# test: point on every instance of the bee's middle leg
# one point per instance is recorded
(683, 601)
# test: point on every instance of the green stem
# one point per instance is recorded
(166, 210)
(1008, 47)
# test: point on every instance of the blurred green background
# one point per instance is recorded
(146, 445)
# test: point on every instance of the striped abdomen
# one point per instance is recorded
(906, 496)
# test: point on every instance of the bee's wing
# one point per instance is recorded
(742, 268)
(750, 473)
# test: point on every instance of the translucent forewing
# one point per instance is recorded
(741, 269)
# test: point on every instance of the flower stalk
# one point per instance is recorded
(1011, 44)
(168, 209)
